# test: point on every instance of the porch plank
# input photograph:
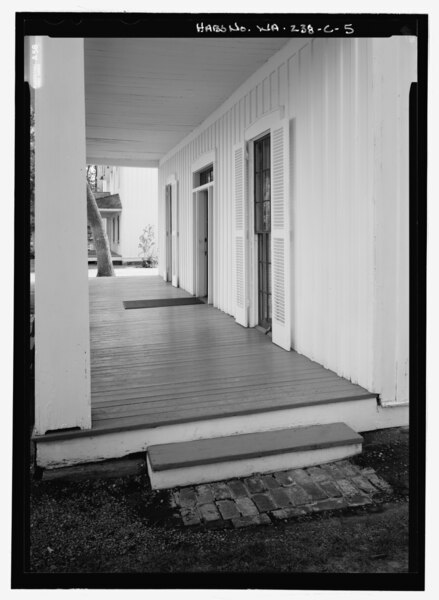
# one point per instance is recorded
(117, 397)
(209, 411)
(176, 364)
(292, 395)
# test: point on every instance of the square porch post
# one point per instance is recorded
(62, 337)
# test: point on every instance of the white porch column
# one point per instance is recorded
(62, 339)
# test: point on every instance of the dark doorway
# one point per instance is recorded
(203, 258)
(262, 187)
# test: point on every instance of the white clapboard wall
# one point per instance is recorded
(138, 190)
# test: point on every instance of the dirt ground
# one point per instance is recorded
(387, 451)
(99, 521)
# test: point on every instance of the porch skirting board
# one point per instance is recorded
(393, 415)
(360, 415)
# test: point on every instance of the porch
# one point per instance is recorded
(161, 366)
(180, 373)
(186, 373)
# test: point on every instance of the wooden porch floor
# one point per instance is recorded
(159, 366)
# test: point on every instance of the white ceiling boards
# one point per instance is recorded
(144, 95)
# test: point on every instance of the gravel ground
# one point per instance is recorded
(387, 451)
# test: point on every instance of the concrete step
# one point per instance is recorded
(219, 458)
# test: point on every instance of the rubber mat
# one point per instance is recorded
(158, 302)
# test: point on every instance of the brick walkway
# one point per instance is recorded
(263, 499)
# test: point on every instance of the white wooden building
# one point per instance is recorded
(283, 199)
(137, 189)
(337, 115)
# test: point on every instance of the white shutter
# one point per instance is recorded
(166, 273)
(174, 233)
(280, 237)
(240, 233)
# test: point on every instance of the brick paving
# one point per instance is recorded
(265, 499)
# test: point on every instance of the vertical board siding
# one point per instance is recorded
(394, 68)
(274, 90)
(347, 101)
(266, 95)
(293, 69)
(138, 192)
(332, 284)
(259, 100)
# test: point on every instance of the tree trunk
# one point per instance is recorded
(100, 239)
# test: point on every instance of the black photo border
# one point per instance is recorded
(76, 24)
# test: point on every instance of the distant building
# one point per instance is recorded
(127, 200)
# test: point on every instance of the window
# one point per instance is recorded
(206, 176)
(262, 193)
(90, 240)
(262, 186)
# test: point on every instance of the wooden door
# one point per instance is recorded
(202, 244)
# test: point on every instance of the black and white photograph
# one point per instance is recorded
(219, 359)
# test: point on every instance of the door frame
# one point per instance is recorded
(257, 130)
(203, 193)
(200, 164)
(172, 258)
(253, 237)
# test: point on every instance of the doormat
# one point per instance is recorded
(158, 302)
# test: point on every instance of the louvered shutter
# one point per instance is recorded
(168, 269)
(280, 237)
(174, 239)
(240, 234)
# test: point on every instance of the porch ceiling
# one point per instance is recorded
(144, 95)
